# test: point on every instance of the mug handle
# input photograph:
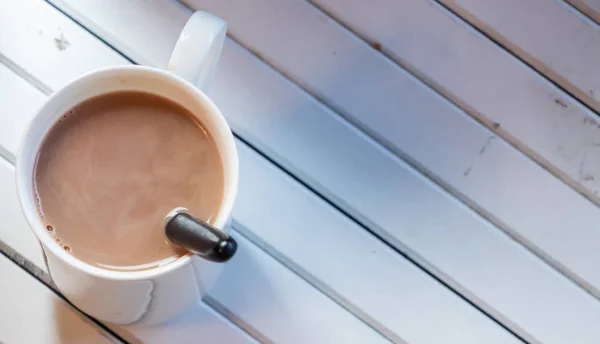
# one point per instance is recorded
(198, 49)
(195, 59)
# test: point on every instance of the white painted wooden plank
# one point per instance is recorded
(546, 121)
(549, 35)
(11, 87)
(149, 42)
(32, 313)
(269, 301)
(496, 88)
(463, 305)
(199, 324)
(293, 135)
(329, 250)
(477, 328)
(590, 8)
(65, 45)
(319, 60)
(262, 292)
(498, 157)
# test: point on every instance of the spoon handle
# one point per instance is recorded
(200, 238)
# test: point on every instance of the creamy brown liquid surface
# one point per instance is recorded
(111, 169)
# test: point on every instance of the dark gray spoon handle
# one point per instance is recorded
(200, 238)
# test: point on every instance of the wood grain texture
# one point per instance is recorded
(32, 313)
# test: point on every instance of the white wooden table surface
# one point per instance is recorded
(447, 152)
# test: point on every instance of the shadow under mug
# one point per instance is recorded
(154, 295)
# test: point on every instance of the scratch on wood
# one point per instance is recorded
(560, 103)
(487, 144)
(591, 122)
(61, 42)
(581, 165)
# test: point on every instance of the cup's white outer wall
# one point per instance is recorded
(148, 296)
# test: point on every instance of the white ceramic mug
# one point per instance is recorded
(155, 295)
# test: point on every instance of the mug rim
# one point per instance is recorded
(26, 197)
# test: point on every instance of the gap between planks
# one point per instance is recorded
(25, 75)
(585, 9)
(403, 251)
(44, 278)
(273, 58)
(440, 182)
(46, 90)
(522, 56)
(537, 64)
(493, 127)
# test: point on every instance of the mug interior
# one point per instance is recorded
(129, 78)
